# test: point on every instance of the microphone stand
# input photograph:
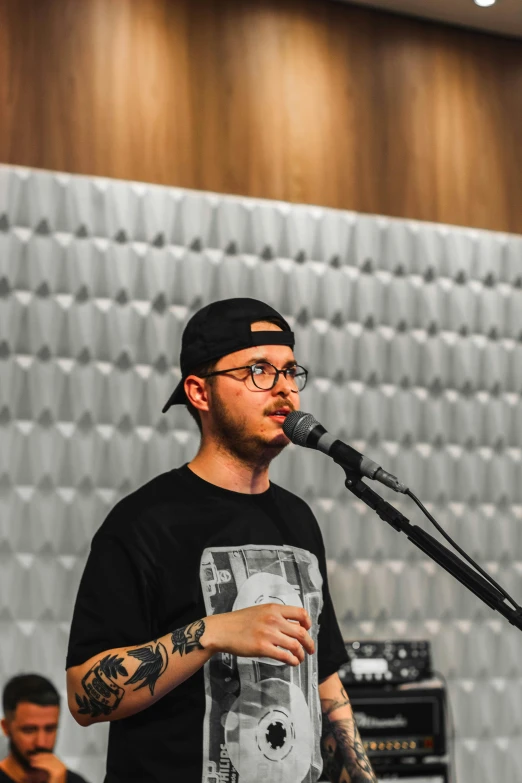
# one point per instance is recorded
(433, 548)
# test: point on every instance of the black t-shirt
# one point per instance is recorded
(71, 777)
(179, 549)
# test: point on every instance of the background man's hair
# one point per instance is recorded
(202, 369)
(32, 688)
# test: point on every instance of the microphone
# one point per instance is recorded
(303, 429)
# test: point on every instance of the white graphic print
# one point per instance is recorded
(263, 717)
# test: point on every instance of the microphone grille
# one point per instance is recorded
(298, 426)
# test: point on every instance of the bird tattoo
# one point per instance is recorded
(153, 664)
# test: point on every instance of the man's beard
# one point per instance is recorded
(231, 433)
(20, 758)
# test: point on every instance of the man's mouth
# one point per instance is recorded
(280, 414)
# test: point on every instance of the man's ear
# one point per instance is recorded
(4, 725)
(196, 390)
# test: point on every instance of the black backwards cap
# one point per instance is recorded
(221, 328)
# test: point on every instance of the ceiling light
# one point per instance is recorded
(485, 3)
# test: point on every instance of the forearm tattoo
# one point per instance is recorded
(186, 639)
(344, 756)
(329, 705)
(153, 664)
(102, 694)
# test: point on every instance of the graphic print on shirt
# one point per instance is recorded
(262, 717)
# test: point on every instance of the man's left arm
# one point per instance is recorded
(345, 760)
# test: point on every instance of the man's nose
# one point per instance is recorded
(285, 385)
(42, 739)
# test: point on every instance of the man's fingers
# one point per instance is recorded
(297, 613)
(292, 645)
(43, 760)
(302, 636)
(284, 655)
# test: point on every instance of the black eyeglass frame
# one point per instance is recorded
(256, 364)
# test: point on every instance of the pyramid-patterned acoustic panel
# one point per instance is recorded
(413, 336)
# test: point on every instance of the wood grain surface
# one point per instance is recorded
(302, 100)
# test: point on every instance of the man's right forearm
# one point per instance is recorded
(125, 680)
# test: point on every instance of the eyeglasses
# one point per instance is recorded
(265, 375)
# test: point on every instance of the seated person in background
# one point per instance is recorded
(31, 711)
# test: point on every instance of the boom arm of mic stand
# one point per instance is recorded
(433, 548)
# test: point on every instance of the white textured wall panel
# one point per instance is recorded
(413, 336)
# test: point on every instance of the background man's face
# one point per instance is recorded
(32, 729)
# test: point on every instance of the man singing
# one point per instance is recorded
(203, 628)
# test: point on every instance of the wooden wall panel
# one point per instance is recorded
(302, 100)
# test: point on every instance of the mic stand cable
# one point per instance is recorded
(490, 595)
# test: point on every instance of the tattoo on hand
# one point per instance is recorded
(186, 639)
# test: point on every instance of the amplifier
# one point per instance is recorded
(398, 723)
(413, 773)
(386, 662)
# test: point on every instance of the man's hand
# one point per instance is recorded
(50, 769)
(269, 630)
